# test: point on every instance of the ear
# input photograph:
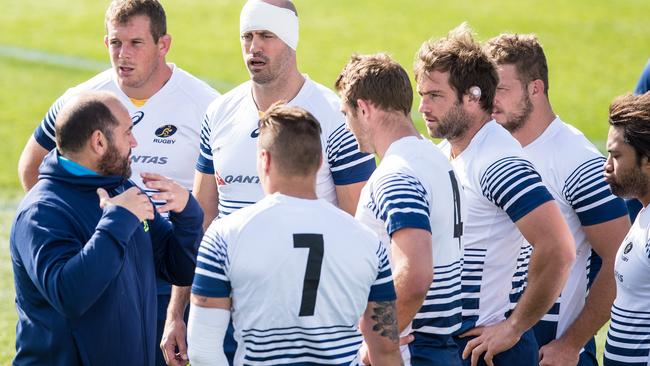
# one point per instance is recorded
(536, 87)
(265, 161)
(364, 108)
(106, 41)
(164, 43)
(98, 143)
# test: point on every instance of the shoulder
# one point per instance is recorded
(323, 103)
(229, 101)
(197, 90)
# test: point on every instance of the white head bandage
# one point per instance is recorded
(258, 15)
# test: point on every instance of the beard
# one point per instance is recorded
(517, 120)
(632, 184)
(112, 163)
(273, 69)
(453, 124)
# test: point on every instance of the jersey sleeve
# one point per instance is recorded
(643, 85)
(382, 289)
(347, 164)
(45, 133)
(204, 163)
(212, 264)
(400, 201)
(589, 195)
(513, 184)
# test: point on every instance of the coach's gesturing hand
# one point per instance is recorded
(174, 195)
(133, 199)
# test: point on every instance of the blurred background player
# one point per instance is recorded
(571, 168)
(412, 201)
(226, 178)
(165, 103)
(506, 202)
(297, 272)
(627, 171)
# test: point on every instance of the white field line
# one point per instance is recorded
(77, 63)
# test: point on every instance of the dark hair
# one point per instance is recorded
(121, 11)
(378, 79)
(631, 113)
(292, 136)
(467, 64)
(523, 51)
(80, 117)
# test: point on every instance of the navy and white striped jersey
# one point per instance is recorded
(229, 146)
(572, 170)
(628, 338)
(300, 274)
(501, 186)
(415, 186)
(166, 127)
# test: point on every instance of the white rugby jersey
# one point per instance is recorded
(628, 338)
(229, 146)
(572, 170)
(300, 273)
(415, 186)
(166, 127)
(501, 187)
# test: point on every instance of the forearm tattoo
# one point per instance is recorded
(385, 317)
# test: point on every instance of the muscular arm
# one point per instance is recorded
(553, 255)
(412, 271)
(605, 238)
(30, 160)
(379, 327)
(550, 264)
(206, 193)
(348, 196)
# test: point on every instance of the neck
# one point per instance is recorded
(459, 144)
(83, 158)
(156, 81)
(540, 118)
(294, 186)
(394, 127)
(285, 87)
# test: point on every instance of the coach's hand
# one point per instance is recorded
(174, 338)
(172, 193)
(490, 341)
(132, 199)
(558, 353)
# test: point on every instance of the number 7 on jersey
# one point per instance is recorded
(314, 242)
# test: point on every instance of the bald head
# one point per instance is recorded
(83, 114)
(284, 4)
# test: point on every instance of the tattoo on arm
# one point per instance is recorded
(385, 317)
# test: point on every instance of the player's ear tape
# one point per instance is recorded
(475, 93)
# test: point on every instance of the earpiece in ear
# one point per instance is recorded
(475, 92)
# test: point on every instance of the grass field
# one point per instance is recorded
(596, 50)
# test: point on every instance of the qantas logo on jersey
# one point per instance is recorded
(149, 159)
(137, 117)
(164, 132)
(242, 179)
(220, 180)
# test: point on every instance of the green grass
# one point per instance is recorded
(596, 50)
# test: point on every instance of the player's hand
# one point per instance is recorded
(490, 341)
(174, 337)
(558, 353)
(176, 197)
(132, 199)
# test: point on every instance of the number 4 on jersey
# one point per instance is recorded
(314, 242)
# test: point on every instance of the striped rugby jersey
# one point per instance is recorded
(415, 186)
(501, 186)
(229, 145)
(300, 274)
(572, 170)
(628, 338)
